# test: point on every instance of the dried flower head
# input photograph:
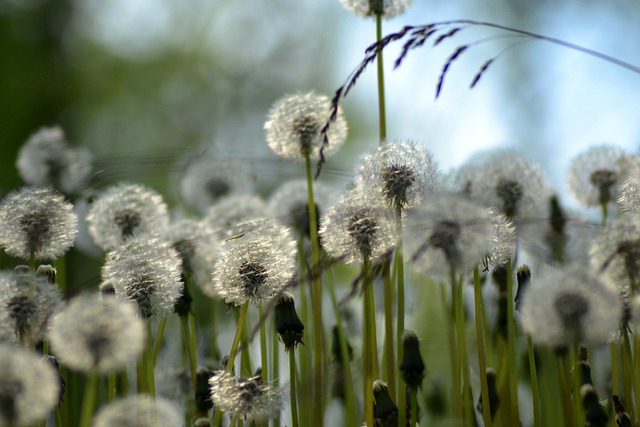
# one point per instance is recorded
(288, 324)
(37, 222)
(90, 334)
(145, 270)
(356, 226)
(594, 174)
(629, 189)
(570, 306)
(139, 411)
(123, 211)
(29, 387)
(27, 302)
(246, 398)
(294, 123)
(385, 8)
(210, 178)
(449, 232)
(47, 159)
(385, 411)
(254, 267)
(290, 203)
(412, 366)
(401, 173)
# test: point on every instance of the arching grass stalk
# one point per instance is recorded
(349, 393)
(482, 363)
(317, 301)
(90, 397)
(535, 393)
(367, 342)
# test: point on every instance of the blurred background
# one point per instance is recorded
(142, 83)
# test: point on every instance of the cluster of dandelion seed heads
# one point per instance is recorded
(594, 174)
(246, 398)
(147, 271)
(47, 159)
(139, 411)
(27, 302)
(400, 172)
(356, 226)
(570, 306)
(290, 203)
(93, 334)
(254, 267)
(28, 389)
(385, 8)
(209, 179)
(449, 232)
(294, 123)
(38, 222)
(125, 210)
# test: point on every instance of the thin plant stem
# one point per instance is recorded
(511, 346)
(149, 363)
(389, 344)
(304, 354)
(159, 335)
(535, 393)
(462, 349)
(373, 332)
(615, 368)
(413, 396)
(90, 397)
(636, 364)
(382, 114)
(398, 265)
(367, 350)
(627, 370)
(482, 363)
(317, 301)
(264, 358)
(455, 351)
(292, 387)
(184, 331)
(111, 386)
(275, 366)
(565, 383)
(236, 338)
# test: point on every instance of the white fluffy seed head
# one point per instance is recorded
(385, 8)
(629, 189)
(294, 123)
(93, 334)
(38, 222)
(123, 211)
(139, 411)
(145, 270)
(227, 214)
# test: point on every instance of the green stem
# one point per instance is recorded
(627, 370)
(462, 348)
(184, 331)
(264, 359)
(151, 381)
(236, 338)
(511, 346)
(482, 363)
(111, 381)
(382, 115)
(159, 335)
(292, 386)
(455, 351)
(615, 368)
(275, 366)
(90, 397)
(317, 301)
(367, 341)
(414, 407)
(389, 344)
(304, 353)
(535, 394)
(398, 265)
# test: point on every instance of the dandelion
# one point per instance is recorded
(629, 189)
(29, 387)
(358, 226)
(90, 334)
(47, 159)
(139, 411)
(570, 306)
(37, 223)
(502, 246)
(594, 174)
(123, 211)
(384, 8)
(294, 123)
(246, 398)
(146, 271)
(401, 173)
(255, 267)
(234, 210)
(27, 302)
(288, 324)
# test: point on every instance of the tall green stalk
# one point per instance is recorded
(367, 342)
(482, 363)
(264, 360)
(292, 387)
(535, 393)
(90, 397)
(511, 346)
(399, 267)
(382, 114)
(389, 344)
(304, 354)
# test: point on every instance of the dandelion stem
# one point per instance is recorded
(111, 384)
(275, 366)
(455, 351)
(535, 394)
(89, 400)
(399, 266)
(511, 346)
(389, 344)
(236, 338)
(264, 359)
(304, 355)
(367, 344)
(627, 370)
(184, 331)
(151, 382)
(160, 333)
(414, 407)
(615, 368)
(482, 363)
(292, 385)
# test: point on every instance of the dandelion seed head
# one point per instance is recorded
(504, 241)
(385, 8)
(358, 225)
(123, 211)
(246, 398)
(139, 411)
(290, 203)
(227, 214)
(294, 123)
(47, 159)
(255, 267)
(629, 189)
(594, 174)
(145, 270)
(37, 221)
(570, 306)
(29, 386)
(93, 334)
(400, 172)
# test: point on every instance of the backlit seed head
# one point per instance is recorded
(357, 226)
(29, 387)
(629, 189)
(92, 334)
(570, 306)
(254, 267)
(145, 270)
(402, 173)
(47, 159)
(385, 8)
(246, 398)
(234, 210)
(595, 174)
(38, 222)
(294, 123)
(139, 411)
(124, 211)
